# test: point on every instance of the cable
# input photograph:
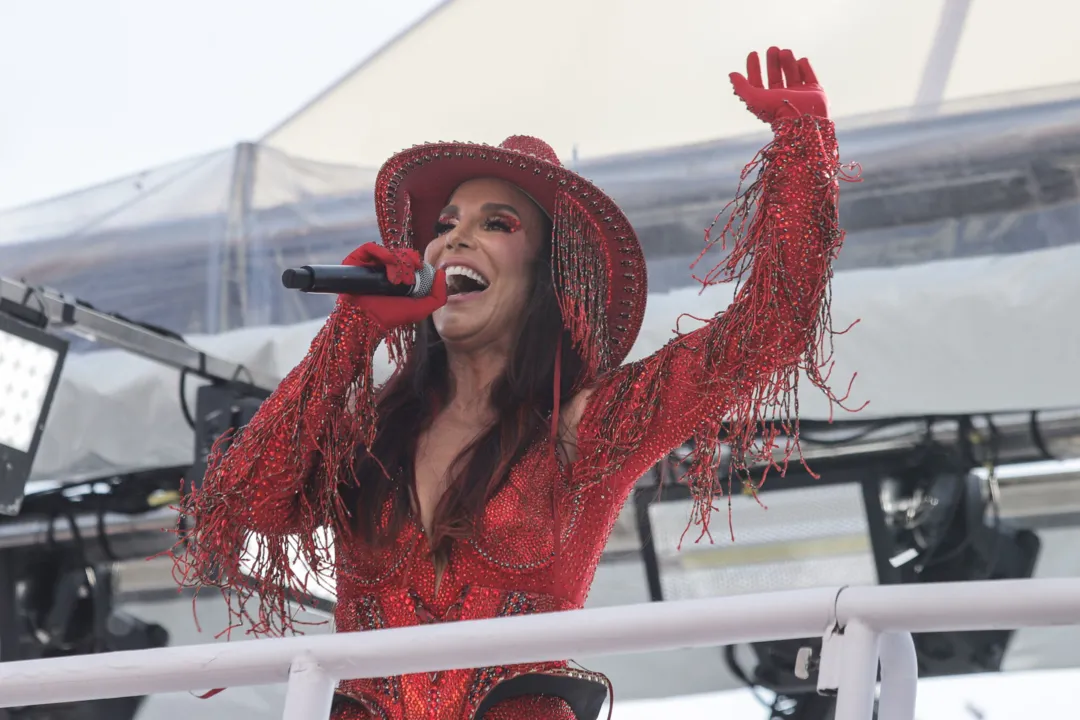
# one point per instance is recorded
(33, 292)
(1037, 436)
(102, 534)
(860, 434)
(243, 369)
(991, 463)
(184, 407)
(736, 669)
(157, 329)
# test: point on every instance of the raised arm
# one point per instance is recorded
(273, 486)
(723, 382)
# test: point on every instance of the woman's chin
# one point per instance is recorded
(458, 321)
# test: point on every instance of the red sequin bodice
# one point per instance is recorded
(544, 530)
(530, 558)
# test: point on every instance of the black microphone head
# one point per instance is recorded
(298, 278)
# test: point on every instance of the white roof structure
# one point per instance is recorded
(606, 77)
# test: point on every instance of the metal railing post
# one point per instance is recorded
(856, 672)
(310, 691)
(899, 677)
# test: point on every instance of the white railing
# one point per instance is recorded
(861, 627)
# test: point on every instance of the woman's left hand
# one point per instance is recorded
(793, 87)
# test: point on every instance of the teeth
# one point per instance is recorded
(466, 272)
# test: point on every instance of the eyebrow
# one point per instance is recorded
(487, 207)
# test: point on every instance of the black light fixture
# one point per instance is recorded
(57, 566)
(30, 363)
(220, 407)
(906, 513)
(65, 607)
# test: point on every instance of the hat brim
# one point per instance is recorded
(415, 185)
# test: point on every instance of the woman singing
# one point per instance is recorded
(484, 478)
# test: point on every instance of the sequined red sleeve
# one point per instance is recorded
(278, 476)
(719, 383)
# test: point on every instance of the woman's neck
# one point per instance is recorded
(472, 377)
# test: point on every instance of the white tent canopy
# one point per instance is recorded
(614, 76)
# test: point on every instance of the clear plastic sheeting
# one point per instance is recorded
(199, 246)
(989, 177)
(192, 188)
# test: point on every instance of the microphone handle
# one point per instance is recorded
(342, 279)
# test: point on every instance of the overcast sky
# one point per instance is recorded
(96, 90)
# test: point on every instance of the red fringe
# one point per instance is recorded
(784, 233)
(581, 281)
(271, 493)
(735, 381)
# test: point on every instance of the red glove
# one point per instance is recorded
(401, 266)
(793, 88)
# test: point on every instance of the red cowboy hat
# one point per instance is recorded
(597, 263)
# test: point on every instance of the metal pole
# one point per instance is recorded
(963, 606)
(899, 677)
(237, 237)
(71, 313)
(310, 692)
(1039, 495)
(942, 55)
(1018, 436)
(857, 673)
(9, 618)
(35, 532)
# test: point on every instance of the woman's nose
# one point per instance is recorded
(459, 236)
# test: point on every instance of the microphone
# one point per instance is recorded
(354, 280)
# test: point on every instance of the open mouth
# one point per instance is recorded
(463, 281)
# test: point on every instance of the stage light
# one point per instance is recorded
(918, 514)
(30, 365)
(220, 407)
(64, 608)
(227, 406)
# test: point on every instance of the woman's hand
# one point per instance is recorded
(793, 88)
(401, 265)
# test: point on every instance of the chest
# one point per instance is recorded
(517, 536)
(441, 451)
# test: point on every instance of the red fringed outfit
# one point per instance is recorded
(543, 533)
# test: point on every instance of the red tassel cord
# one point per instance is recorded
(272, 487)
(735, 381)
(582, 281)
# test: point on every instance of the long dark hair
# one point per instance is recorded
(522, 398)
